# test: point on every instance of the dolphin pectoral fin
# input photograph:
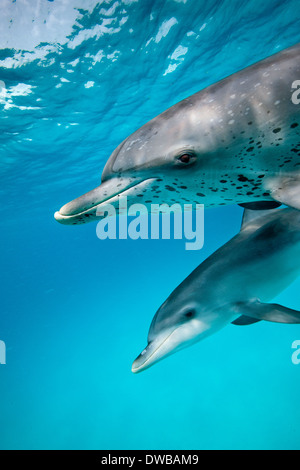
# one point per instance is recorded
(245, 321)
(261, 206)
(287, 191)
(269, 312)
(254, 219)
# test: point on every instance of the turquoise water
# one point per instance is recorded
(80, 77)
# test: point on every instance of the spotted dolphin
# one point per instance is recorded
(233, 285)
(236, 142)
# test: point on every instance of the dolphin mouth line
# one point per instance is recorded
(138, 369)
(59, 216)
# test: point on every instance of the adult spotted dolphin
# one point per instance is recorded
(236, 142)
(232, 286)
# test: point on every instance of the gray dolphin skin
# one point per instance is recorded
(236, 142)
(233, 285)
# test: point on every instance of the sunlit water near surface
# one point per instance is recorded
(79, 77)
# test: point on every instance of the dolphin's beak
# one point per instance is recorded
(84, 209)
(156, 350)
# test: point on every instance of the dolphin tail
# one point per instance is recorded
(257, 311)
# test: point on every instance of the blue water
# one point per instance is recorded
(80, 76)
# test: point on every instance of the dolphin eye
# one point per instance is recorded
(186, 158)
(190, 314)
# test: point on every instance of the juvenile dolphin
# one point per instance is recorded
(236, 142)
(232, 286)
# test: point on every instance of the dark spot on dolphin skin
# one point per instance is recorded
(183, 187)
(250, 123)
(148, 202)
(262, 176)
(269, 232)
(293, 126)
(250, 149)
(200, 195)
(170, 188)
(266, 194)
(275, 131)
(223, 181)
(242, 178)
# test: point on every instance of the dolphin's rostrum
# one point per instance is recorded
(232, 286)
(236, 142)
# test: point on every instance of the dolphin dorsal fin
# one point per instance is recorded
(253, 220)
